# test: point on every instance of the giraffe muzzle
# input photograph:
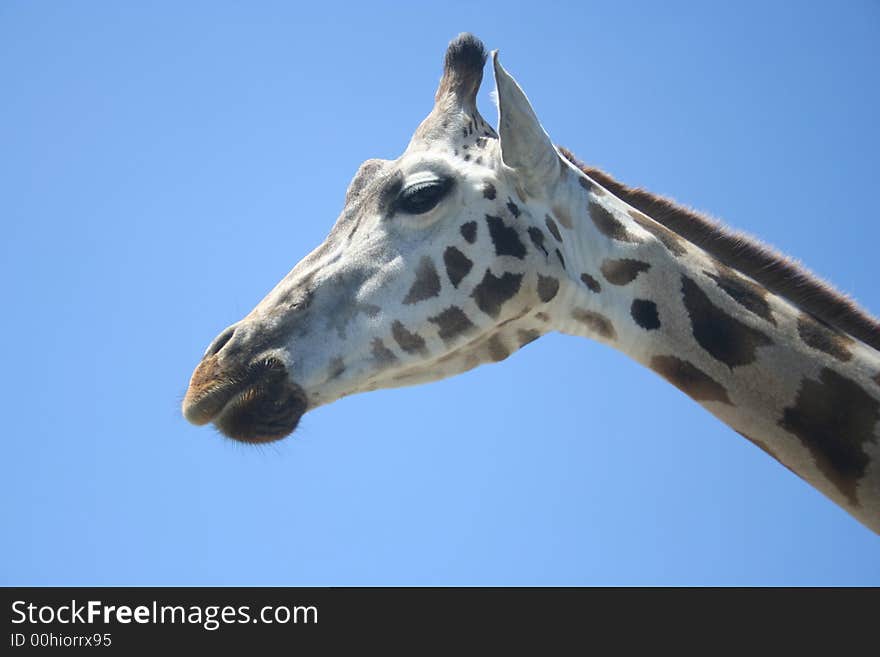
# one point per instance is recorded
(254, 404)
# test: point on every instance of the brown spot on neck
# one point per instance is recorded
(608, 224)
(745, 292)
(774, 271)
(622, 271)
(724, 337)
(821, 338)
(835, 418)
(690, 379)
(595, 322)
(673, 243)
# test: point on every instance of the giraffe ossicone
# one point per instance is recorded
(474, 243)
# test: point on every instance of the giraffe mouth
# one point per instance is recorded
(258, 404)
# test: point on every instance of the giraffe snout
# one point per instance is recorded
(249, 400)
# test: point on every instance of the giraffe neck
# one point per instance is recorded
(801, 390)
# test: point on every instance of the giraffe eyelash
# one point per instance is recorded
(423, 196)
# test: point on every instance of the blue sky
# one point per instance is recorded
(165, 164)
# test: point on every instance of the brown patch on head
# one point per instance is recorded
(469, 231)
(608, 224)
(458, 265)
(622, 271)
(452, 323)
(834, 418)
(690, 379)
(744, 291)
(411, 343)
(822, 338)
(505, 238)
(562, 216)
(427, 283)
(382, 354)
(547, 288)
(724, 337)
(591, 283)
(493, 291)
(497, 349)
(544, 317)
(596, 322)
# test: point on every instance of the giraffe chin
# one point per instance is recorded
(263, 413)
(258, 405)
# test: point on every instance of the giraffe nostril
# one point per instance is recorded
(219, 342)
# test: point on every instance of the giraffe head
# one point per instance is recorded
(443, 259)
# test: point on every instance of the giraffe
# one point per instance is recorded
(474, 243)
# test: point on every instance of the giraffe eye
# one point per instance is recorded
(422, 197)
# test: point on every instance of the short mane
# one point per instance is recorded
(776, 272)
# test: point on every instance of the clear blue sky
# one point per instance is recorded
(163, 164)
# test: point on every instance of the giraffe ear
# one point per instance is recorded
(525, 147)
